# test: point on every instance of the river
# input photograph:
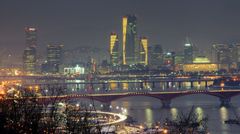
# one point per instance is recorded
(148, 110)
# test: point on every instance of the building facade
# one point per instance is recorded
(200, 64)
(237, 55)
(30, 53)
(29, 60)
(224, 55)
(200, 67)
(143, 51)
(114, 49)
(31, 36)
(179, 61)
(54, 58)
(129, 42)
(74, 70)
(155, 59)
(169, 60)
(188, 52)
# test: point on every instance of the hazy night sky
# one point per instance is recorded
(89, 22)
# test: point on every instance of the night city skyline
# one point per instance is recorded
(120, 67)
(88, 23)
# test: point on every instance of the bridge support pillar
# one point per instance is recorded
(166, 103)
(118, 85)
(206, 84)
(179, 85)
(153, 85)
(141, 85)
(167, 84)
(104, 87)
(226, 102)
(191, 84)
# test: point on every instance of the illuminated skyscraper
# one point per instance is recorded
(223, 55)
(169, 60)
(54, 57)
(155, 59)
(188, 52)
(114, 49)
(31, 36)
(29, 55)
(129, 45)
(29, 60)
(237, 55)
(143, 51)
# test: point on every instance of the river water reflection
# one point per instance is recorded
(148, 110)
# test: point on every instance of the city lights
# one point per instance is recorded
(136, 67)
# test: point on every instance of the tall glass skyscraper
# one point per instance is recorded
(29, 60)
(54, 58)
(31, 36)
(29, 55)
(114, 49)
(143, 51)
(155, 53)
(129, 44)
(188, 52)
(224, 55)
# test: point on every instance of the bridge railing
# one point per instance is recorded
(107, 91)
(103, 87)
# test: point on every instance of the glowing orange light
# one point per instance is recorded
(2, 92)
(165, 131)
(222, 84)
(36, 88)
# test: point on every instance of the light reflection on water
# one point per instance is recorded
(149, 116)
(174, 113)
(148, 110)
(223, 113)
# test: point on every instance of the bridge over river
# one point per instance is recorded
(164, 96)
(164, 89)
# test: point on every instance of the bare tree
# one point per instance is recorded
(187, 124)
(29, 114)
(82, 119)
(20, 115)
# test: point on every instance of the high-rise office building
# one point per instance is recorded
(29, 55)
(169, 60)
(224, 55)
(143, 51)
(155, 53)
(188, 52)
(31, 36)
(178, 61)
(237, 54)
(218, 52)
(54, 58)
(55, 54)
(114, 49)
(29, 60)
(129, 43)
